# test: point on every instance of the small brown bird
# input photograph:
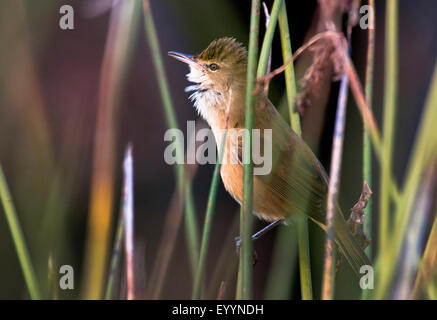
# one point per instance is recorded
(297, 183)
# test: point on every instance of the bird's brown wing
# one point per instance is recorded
(297, 182)
(296, 178)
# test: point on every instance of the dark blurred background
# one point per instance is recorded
(49, 84)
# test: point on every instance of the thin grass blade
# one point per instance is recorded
(18, 238)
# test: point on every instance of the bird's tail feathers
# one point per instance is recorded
(349, 247)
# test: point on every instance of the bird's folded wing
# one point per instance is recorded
(297, 177)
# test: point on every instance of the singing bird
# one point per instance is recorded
(297, 183)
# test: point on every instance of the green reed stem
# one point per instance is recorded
(390, 101)
(427, 269)
(424, 153)
(279, 12)
(191, 227)
(247, 219)
(281, 277)
(290, 78)
(285, 238)
(200, 271)
(170, 117)
(268, 39)
(117, 53)
(116, 256)
(367, 148)
(302, 223)
(18, 238)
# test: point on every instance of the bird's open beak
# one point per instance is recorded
(186, 58)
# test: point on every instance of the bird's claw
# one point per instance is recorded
(238, 242)
(237, 245)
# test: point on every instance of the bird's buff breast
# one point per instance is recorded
(266, 204)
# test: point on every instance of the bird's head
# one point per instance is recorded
(218, 68)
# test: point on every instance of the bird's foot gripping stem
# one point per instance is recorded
(255, 236)
(238, 242)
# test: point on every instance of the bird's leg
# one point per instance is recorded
(257, 235)
(264, 230)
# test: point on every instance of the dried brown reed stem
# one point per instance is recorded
(333, 190)
(343, 62)
(269, 63)
(128, 213)
(222, 291)
(118, 46)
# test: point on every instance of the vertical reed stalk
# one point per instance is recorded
(128, 213)
(368, 119)
(290, 83)
(427, 269)
(246, 214)
(200, 271)
(333, 189)
(191, 228)
(122, 27)
(290, 78)
(269, 63)
(170, 116)
(367, 148)
(412, 249)
(390, 101)
(115, 259)
(173, 218)
(281, 277)
(18, 238)
(263, 62)
(424, 154)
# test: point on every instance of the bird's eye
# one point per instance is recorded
(213, 67)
